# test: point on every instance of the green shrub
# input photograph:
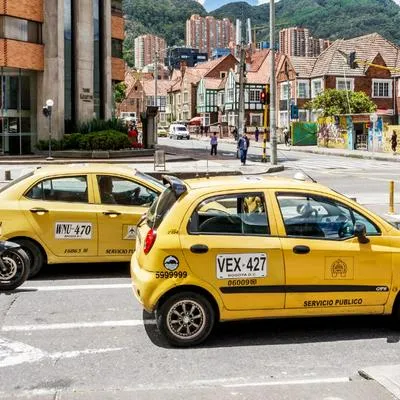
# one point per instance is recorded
(99, 125)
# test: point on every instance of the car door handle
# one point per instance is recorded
(38, 210)
(301, 249)
(111, 213)
(199, 248)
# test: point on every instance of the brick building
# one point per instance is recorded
(71, 57)
(145, 48)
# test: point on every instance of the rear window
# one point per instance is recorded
(15, 181)
(160, 208)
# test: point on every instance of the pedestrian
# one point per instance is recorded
(235, 133)
(201, 129)
(133, 135)
(243, 145)
(393, 140)
(286, 136)
(256, 134)
(214, 143)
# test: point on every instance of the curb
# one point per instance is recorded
(386, 375)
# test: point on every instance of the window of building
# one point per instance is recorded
(222, 75)
(20, 29)
(221, 98)
(255, 95)
(185, 97)
(283, 119)
(116, 48)
(69, 189)
(201, 98)
(236, 214)
(316, 87)
(345, 84)
(116, 8)
(303, 91)
(284, 91)
(303, 115)
(256, 119)
(178, 101)
(381, 88)
(230, 98)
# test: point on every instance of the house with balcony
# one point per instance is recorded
(301, 80)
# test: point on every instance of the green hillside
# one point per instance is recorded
(330, 19)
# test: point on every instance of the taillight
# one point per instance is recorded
(149, 241)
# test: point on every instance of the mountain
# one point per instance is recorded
(328, 19)
(210, 5)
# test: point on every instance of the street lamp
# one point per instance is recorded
(47, 111)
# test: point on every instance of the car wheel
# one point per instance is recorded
(35, 255)
(14, 269)
(185, 319)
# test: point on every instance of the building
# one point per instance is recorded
(218, 53)
(208, 33)
(300, 79)
(177, 55)
(64, 50)
(298, 42)
(145, 48)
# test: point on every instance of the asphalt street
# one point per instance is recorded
(77, 332)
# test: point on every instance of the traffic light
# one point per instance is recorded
(294, 111)
(264, 97)
(352, 60)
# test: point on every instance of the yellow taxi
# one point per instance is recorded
(76, 213)
(232, 248)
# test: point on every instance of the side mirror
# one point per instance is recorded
(360, 231)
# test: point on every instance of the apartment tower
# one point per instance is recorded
(69, 51)
(145, 48)
(208, 33)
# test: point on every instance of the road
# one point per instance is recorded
(76, 332)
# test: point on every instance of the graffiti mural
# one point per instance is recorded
(332, 132)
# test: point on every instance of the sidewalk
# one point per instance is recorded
(387, 375)
(361, 154)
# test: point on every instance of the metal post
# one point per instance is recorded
(50, 157)
(391, 197)
(264, 145)
(155, 90)
(274, 157)
(241, 90)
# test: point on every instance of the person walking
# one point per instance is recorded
(214, 143)
(393, 141)
(256, 134)
(235, 133)
(243, 145)
(286, 135)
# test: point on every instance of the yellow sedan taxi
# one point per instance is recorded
(243, 247)
(76, 213)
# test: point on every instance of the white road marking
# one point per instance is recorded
(14, 353)
(74, 325)
(77, 287)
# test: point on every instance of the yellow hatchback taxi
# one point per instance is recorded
(76, 213)
(231, 248)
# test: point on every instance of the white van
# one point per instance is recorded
(128, 116)
(178, 131)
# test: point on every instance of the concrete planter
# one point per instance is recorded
(98, 154)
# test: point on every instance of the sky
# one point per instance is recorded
(213, 4)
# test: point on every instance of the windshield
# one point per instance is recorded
(181, 128)
(15, 181)
(160, 208)
(151, 179)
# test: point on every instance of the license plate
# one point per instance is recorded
(248, 265)
(73, 230)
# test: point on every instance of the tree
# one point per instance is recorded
(119, 92)
(336, 102)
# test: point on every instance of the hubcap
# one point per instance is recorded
(186, 319)
(9, 268)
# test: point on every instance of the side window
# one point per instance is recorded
(241, 214)
(320, 217)
(116, 190)
(70, 189)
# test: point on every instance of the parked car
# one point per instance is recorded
(178, 131)
(232, 248)
(80, 214)
(162, 132)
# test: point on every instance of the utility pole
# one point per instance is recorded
(272, 86)
(155, 69)
(241, 89)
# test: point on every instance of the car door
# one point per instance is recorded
(326, 267)
(229, 244)
(121, 203)
(61, 213)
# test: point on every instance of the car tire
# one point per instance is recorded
(178, 325)
(16, 269)
(35, 255)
